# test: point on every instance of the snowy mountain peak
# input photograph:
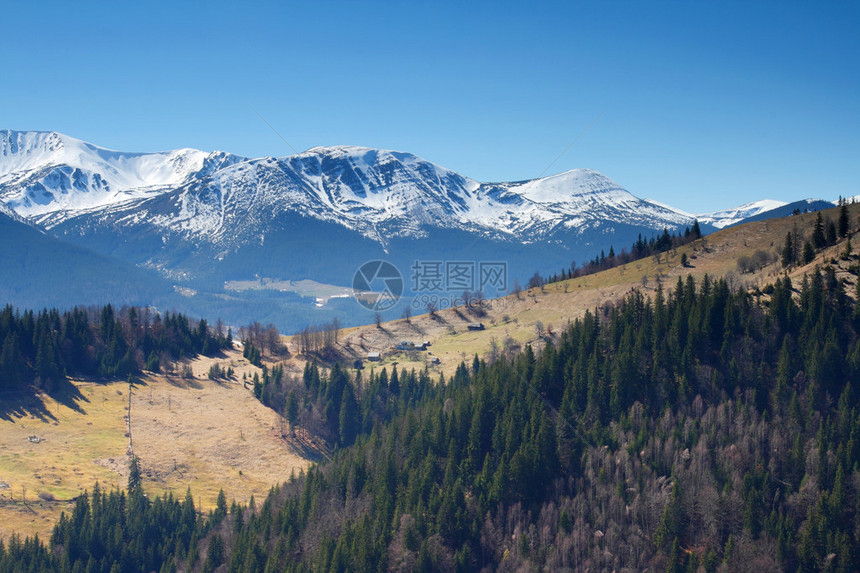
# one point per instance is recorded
(26, 150)
(726, 217)
(43, 172)
(339, 150)
(573, 185)
(376, 162)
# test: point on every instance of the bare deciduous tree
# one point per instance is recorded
(467, 298)
(494, 352)
(272, 340)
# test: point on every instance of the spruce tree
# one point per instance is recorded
(830, 232)
(293, 410)
(134, 480)
(843, 221)
(808, 253)
(695, 230)
(348, 417)
(819, 241)
(788, 251)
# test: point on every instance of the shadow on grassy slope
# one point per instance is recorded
(25, 403)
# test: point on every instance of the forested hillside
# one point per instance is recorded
(703, 429)
(38, 350)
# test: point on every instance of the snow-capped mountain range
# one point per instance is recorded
(192, 221)
(727, 217)
(49, 178)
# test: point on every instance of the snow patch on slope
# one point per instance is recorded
(726, 217)
(4, 210)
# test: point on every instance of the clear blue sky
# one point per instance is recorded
(702, 105)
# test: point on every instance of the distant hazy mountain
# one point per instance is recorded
(39, 270)
(787, 209)
(760, 210)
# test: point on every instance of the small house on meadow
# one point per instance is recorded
(476, 326)
(374, 356)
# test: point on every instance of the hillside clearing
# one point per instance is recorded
(187, 433)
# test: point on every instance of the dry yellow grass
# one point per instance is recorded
(61, 466)
(208, 436)
(187, 433)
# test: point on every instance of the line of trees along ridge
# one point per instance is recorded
(38, 350)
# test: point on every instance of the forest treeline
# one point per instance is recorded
(38, 350)
(640, 249)
(700, 429)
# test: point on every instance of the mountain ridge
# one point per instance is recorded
(202, 220)
(49, 177)
(44, 172)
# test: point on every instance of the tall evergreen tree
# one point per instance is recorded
(134, 479)
(788, 256)
(843, 220)
(819, 241)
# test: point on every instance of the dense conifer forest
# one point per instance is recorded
(39, 350)
(700, 429)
